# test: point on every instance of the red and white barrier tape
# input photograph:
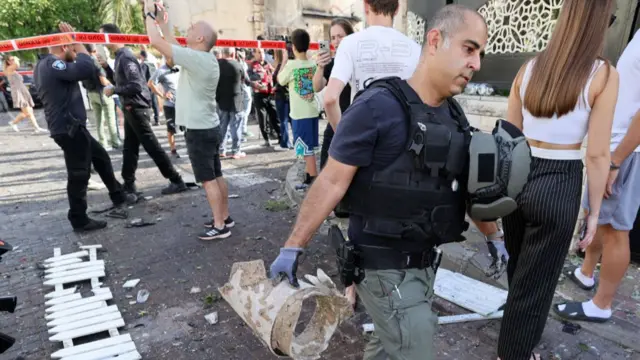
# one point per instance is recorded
(37, 42)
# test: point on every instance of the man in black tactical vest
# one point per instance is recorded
(400, 159)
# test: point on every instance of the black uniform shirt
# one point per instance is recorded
(58, 88)
(129, 80)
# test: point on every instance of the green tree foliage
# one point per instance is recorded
(24, 18)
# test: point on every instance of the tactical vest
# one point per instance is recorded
(421, 195)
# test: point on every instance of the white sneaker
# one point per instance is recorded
(41, 130)
(14, 127)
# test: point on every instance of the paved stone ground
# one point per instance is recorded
(169, 260)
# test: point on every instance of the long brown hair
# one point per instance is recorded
(562, 70)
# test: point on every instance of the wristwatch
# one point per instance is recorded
(151, 15)
(613, 166)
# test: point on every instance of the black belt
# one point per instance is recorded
(383, 258)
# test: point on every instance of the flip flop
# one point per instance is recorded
(572, 276)
(574, 311)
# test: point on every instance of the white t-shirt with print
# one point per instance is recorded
(374, 53)
(628, 91)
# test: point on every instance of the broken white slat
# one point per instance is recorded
(86, 322)
(80, 265)
(93, 254)
(89, 247)
(92, 346)
(114, 332)
(97, 291)
(74, 304)
(60, 274)
(134, 355)
(83, 315)
(105, 353)
(63, 299)
(89, 330)
(65, 292)
(78, 254)
(57, 252)
(62, 263)
(468, 293)
(75, 278)
(443, 320)
(76, 310)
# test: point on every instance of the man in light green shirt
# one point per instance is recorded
(196, 109)
(298, 75)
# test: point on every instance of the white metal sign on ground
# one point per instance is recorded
(70, 316)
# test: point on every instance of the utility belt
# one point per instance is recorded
(352, 260)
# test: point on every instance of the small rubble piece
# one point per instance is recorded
(195, 290)
(571, 328)
(234, 196)
(212, 318)
(272, 310)
(139, 223)
(131, 284)
(143, 296)
(118, 214)
(368, 328)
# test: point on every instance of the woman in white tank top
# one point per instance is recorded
(559, 97)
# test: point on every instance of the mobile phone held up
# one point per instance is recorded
(324, 46)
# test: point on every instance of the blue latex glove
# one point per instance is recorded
(286, 264)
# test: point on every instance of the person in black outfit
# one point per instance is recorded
(56, 78)
(340, 28)
(146, 70)
(131, 87)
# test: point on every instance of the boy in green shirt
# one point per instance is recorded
(298, 75)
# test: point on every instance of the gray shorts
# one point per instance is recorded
(621, 208)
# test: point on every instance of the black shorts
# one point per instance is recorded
(203, 148)
(170, 115)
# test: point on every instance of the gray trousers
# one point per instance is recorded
(399, 302)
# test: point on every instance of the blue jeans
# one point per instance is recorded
(282, 108)
(231, 122)
(247, 100)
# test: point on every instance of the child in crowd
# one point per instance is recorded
(297, 74)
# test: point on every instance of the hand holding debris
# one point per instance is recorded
(286, 264)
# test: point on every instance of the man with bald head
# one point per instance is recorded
(196, 109)
(395, 245)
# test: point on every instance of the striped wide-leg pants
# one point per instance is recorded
(537, 237)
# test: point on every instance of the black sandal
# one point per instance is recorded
(572, 276)
(573, 311)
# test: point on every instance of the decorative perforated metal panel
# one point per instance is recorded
(517, 26)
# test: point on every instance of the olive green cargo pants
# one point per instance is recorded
(399, 302)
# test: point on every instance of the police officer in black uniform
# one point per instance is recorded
(56, 78)
(131, 87)
(400, 160)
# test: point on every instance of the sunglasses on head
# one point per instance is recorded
(612, 20)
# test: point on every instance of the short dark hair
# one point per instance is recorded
(110, 29)
(384, 7)
(90, 47)
(300, 39)
(344, 24)
(143, 53)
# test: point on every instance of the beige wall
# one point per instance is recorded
(231, 18)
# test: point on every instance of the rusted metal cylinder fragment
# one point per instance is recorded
(272, 311)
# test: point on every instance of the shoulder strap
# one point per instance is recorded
(458, 114)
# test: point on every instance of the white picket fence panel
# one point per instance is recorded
(70, 316)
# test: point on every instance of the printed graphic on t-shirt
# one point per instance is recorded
(303, 83)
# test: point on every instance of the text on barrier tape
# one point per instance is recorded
(37, 42)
